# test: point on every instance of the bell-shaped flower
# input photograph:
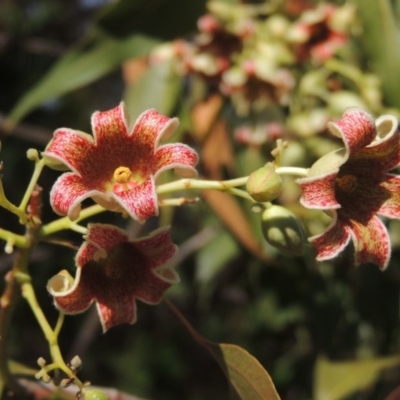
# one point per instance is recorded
(353, 183)
(117, 166)
(114, 271)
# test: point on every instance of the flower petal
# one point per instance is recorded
(178, 156)
(383, 154)
(356, 128)
(69, 147)
(100, 240)
(71, 299)
(139, 202)
(150, 127)
(391, 207)
(371, 243)
(109, 124)
(319, 191)
(116, 311)
(67, 194)
(157, 247)
(331, 242)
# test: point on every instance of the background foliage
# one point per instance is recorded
(61, 60)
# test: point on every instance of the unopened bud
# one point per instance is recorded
(33, 155)
(264, 184)
(46, 378)
(282, 230)
(41, 362)
(76, 362)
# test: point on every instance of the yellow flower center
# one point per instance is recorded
(122, 175)
(347, 183)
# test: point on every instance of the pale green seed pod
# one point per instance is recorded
(95, 394)
(282, 229)
(264, 184)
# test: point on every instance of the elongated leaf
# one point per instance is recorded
(158, 88)
(78, 68)
(382, 42)
(335, 380)
(249, 380)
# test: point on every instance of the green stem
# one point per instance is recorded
(65, 223)
(50, 334)
(39, 165)
(295, 171)
(16, 240)
(5, 203)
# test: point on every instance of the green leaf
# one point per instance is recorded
(78, 68)
(382, 42)
(248, 379)
(164, 19)
(158, 88)
(335, 380)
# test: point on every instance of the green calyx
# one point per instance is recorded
(264, 184)
(282, 230)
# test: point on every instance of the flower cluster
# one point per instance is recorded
(117, 168)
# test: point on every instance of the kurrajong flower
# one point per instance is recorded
(117, 166)
(354, 184)
(114, 271)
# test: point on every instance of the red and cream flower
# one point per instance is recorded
(117, 166)
(321, 31)
(354, 184)
(114, 271)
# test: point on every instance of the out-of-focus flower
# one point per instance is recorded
(116, 166)
(317, 33)
(114, 271)
(259, 134)
(353, 184)
(257, 84)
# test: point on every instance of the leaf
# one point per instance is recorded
(336, 380)
(247, 377)
(382, 42)
(249, 380)
(158, 88)
(78, 68)
(164, 19)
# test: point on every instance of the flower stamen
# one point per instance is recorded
(347, 183)
(122, 175)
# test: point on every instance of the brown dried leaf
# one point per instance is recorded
(204, 116)
(230, 213)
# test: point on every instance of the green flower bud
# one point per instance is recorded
(282, 230)
(95, 394)
(32, 155)
(264, 184)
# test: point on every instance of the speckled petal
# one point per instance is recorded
(71, 300)
(139, 202)
(116, 311)
(356, 128)
(152, 290)
(100, 240)
(150, 127)
(107, 124)
(158, 246)
(331, 242)
(67, 194)
(69, 147)
(391, 207)
(178, 156)
(371, 243)
(319, 191)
